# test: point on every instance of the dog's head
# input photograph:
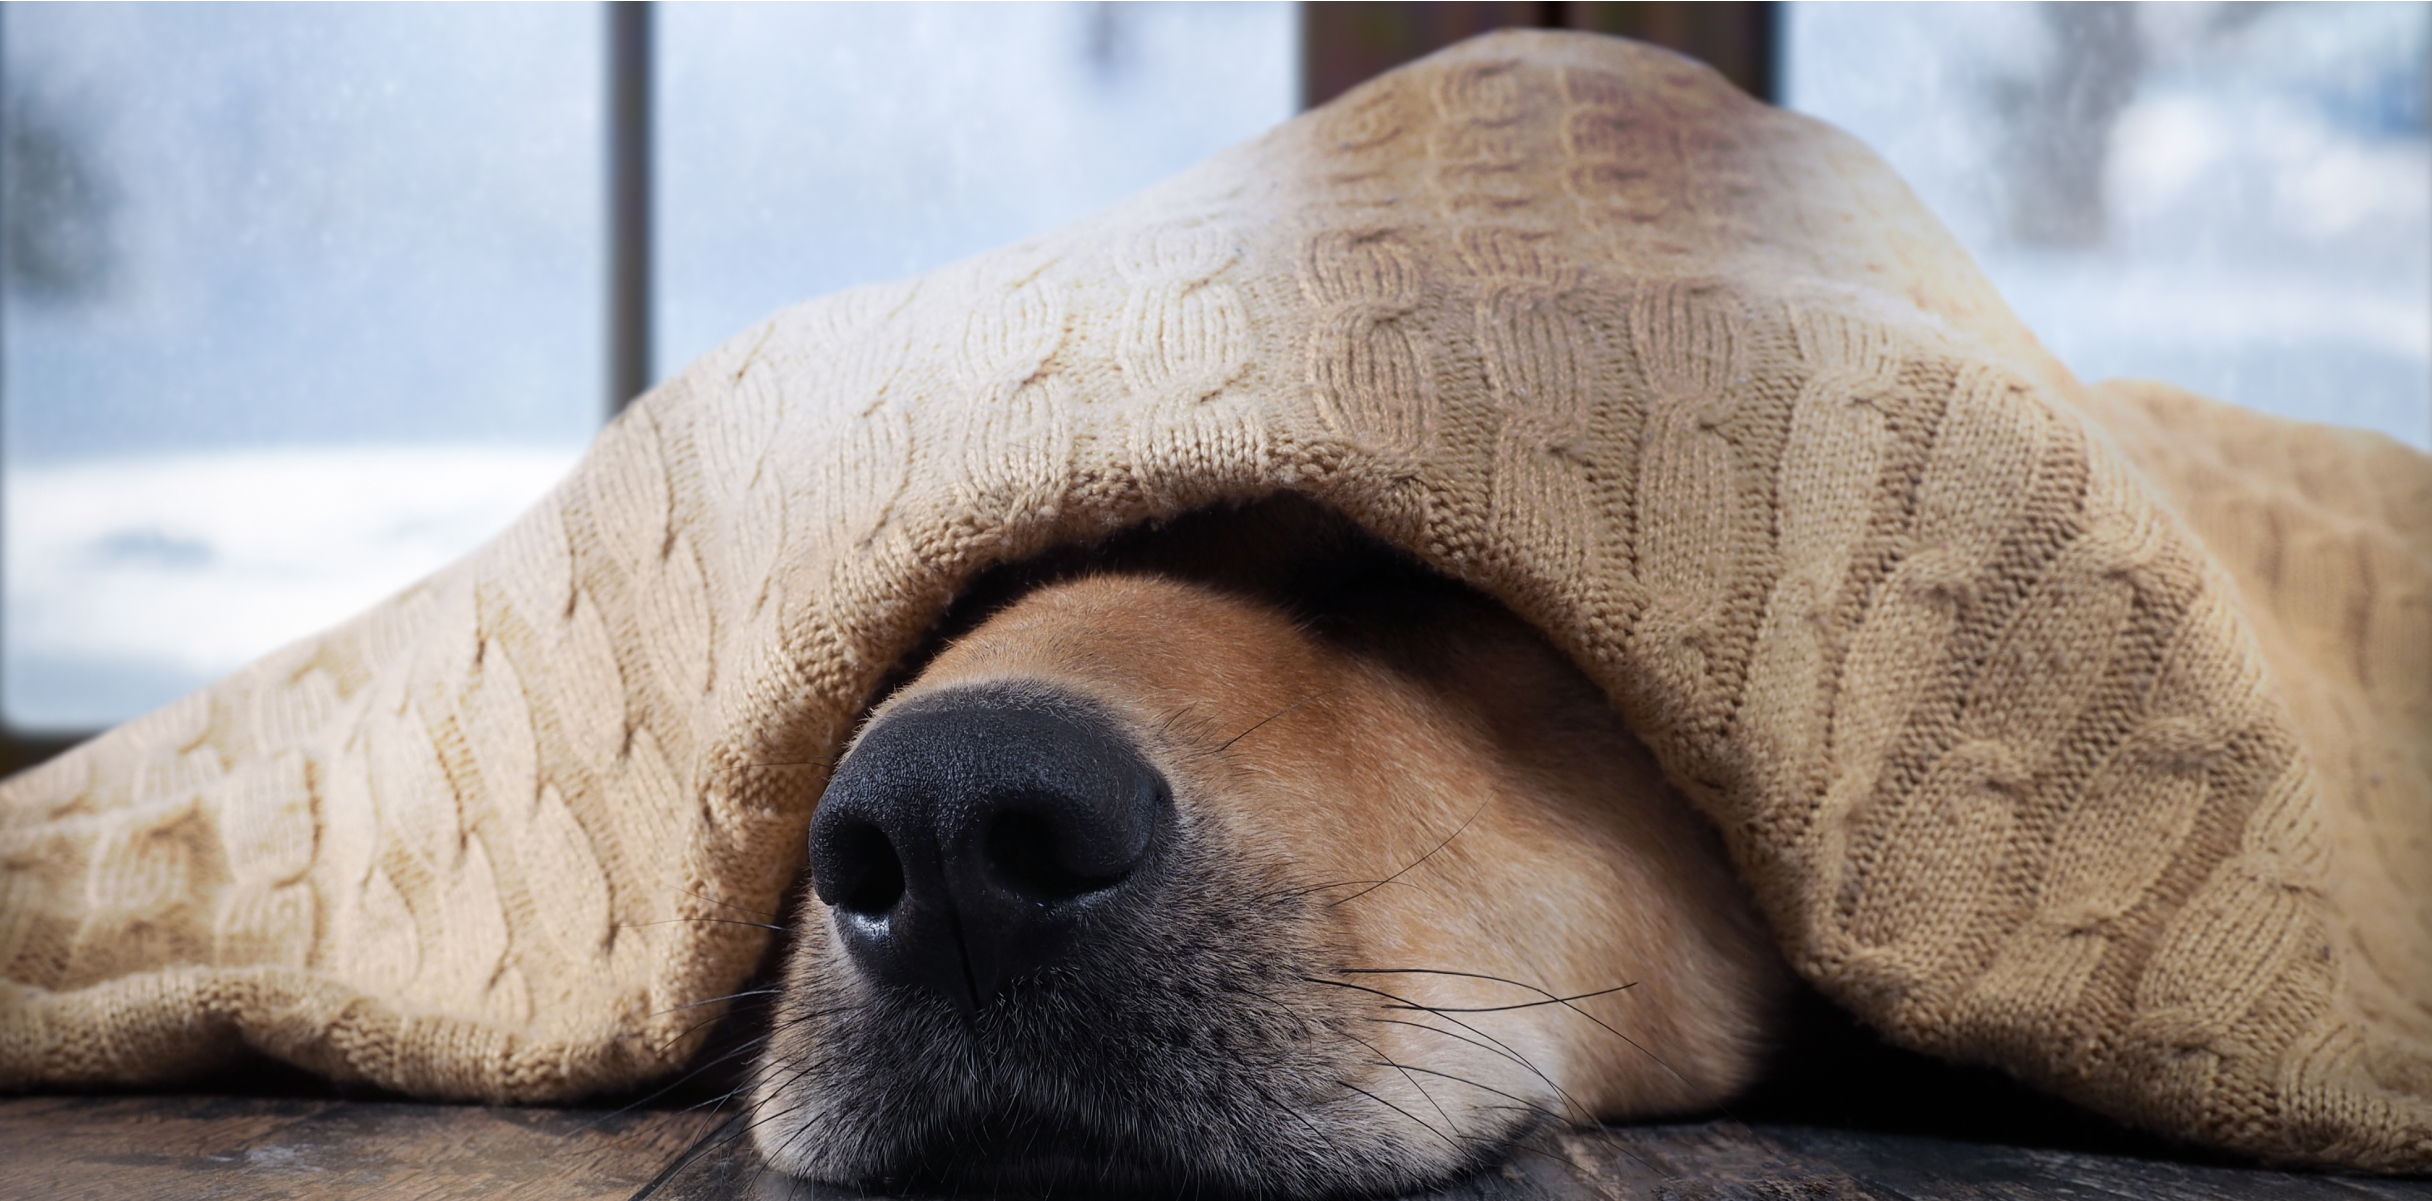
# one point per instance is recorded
(1320, 878)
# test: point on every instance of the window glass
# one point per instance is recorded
(300, 302)
(303, 302)
(2236, 198)
(807, 148)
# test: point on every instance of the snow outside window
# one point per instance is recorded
(302, 302)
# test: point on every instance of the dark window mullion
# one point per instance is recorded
(19, 751)
(629, 189)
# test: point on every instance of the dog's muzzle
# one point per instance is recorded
(1046, 964)
(974, 836)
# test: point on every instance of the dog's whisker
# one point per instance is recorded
(1228, 743)
(780, 1114)
(1516, 1143)
(1296, 893)
(1414, 1084)
(1562, 1001)
(773, 1116)
(813, 1015)
(727, 904)
(1173, 718)
(1300, 1021)
(1451, 1034)
(687, 1032)
(776, 1082)
(1448, 1139)
(1550, 999)
(750, 1048)
(1407, 868)
(715, 921)
(732, 996)
(1516, 1057)
(1540, 990)
(705, 1145)
(1518, 1102)
(1579, 1112)
(1608, 1028)
(1269, 1098)
(1489, 1046)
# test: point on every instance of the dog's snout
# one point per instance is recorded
(971, 835)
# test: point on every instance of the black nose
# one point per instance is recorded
(972, 834)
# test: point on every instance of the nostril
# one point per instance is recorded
(972, 837)
(865, 876)
(1027, 855)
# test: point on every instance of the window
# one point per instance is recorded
(360, 254)
(254, 251)
(2236, 198)
(251, 251)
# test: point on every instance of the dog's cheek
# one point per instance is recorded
(1398, 1113)
(1468, 942)
(1399, 903)
(1644, 925)
(1402, 868)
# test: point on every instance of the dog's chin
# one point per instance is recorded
(1043, 1095)
(1122, 1147)
(1025, 1155)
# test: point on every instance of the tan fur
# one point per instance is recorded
(1560, 857)
(1518, 919)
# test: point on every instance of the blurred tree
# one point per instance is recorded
(2059, 122)
(55, 203)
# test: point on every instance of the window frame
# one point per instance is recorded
(1341, 45)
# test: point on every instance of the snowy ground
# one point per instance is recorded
(141, 578)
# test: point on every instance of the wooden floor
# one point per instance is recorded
(131, 1148)
(1841, 1116)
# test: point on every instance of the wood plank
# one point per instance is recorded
(285, 1147)
(130, 1148)
(1734, 1160)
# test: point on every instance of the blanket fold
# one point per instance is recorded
(2085, 732)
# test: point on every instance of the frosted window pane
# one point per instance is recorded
(301, 302)
(807, 148)
(2233, 197)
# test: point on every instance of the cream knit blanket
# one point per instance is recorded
(2083, 732)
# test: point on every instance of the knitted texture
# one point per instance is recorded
(2083, 732)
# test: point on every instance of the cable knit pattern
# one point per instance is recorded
(2083, 732)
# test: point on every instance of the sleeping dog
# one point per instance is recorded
(1244, 856)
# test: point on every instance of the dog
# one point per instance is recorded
(1244, 856)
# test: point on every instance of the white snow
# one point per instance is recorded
(178, 568)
